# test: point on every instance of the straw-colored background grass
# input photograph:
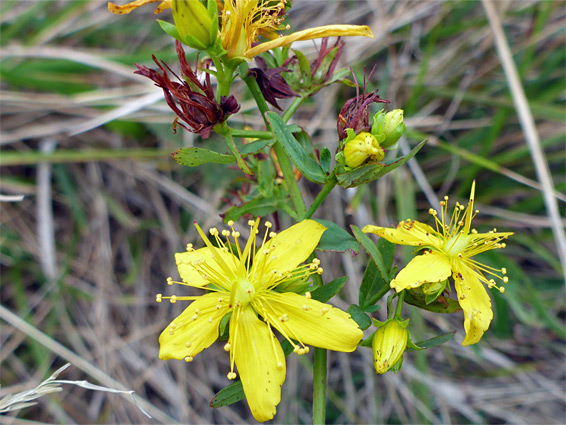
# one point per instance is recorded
(89, 246)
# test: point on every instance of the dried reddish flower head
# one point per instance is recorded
(271, 83)
(355, 113)
(192, 100)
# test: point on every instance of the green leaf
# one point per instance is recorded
(373, 171)
(325, 292)
(228, 395)
(371, 249)
(440, 305)
(191, 157)
(325, 158)
(437, 340)
(336, 239)
(308, 166)
(361, 318)
(373, 287)
(255, 146)
(305, 68)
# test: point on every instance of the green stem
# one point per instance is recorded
(319, 387)
(399, 306)
(292, 108)
(251, 134)
(225, 131)
(328, 186)
(284, 161)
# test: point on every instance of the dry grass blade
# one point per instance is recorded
(79, 362)
(529, 128)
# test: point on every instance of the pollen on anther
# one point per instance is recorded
(268, 224)
(173, 299)
(280, 365)
(505, 279)
(306, 307)
(502, 289)
(251, 223)
(195, 317)
(189, 247)
(320, 270)
(504, 270)
(272, 234)
(308, 295)
(231, 375)
(169, 281)
(187, 344)
(189, 359)
(227, 346)
(230, 223)
(158, 298)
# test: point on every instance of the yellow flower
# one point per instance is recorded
(243, 20)
(448, 251)
(127, 8)
(243, 283)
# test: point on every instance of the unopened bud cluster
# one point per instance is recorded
(386, 130)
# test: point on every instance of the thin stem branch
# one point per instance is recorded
(252, 134)
(321, 197)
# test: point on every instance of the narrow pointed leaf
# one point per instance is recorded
(191, 157)
(306, 165)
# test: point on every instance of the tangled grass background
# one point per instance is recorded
(93, 239)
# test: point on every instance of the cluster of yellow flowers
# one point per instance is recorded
(253, 287)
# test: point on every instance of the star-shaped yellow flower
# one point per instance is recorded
(243, 283)
(448, 250)
(242, 21)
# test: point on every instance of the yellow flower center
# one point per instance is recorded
(456, 244)
(243, 291)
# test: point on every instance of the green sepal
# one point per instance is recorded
(396, 368)
(170, 29)
(336, 239)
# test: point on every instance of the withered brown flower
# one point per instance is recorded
(192, 100)
(271, 83)
(355, 113)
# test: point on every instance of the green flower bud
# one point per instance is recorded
(193, 23)
(394, 127)
(363, 147)
(389, 343)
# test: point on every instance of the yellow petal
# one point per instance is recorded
(413, 233)
(286, 251)
(309, 321)
(260, 362)
(475, 302)
(207, 265)
(309, 34)
(193, 331)
(127, 8)
(429, 267)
